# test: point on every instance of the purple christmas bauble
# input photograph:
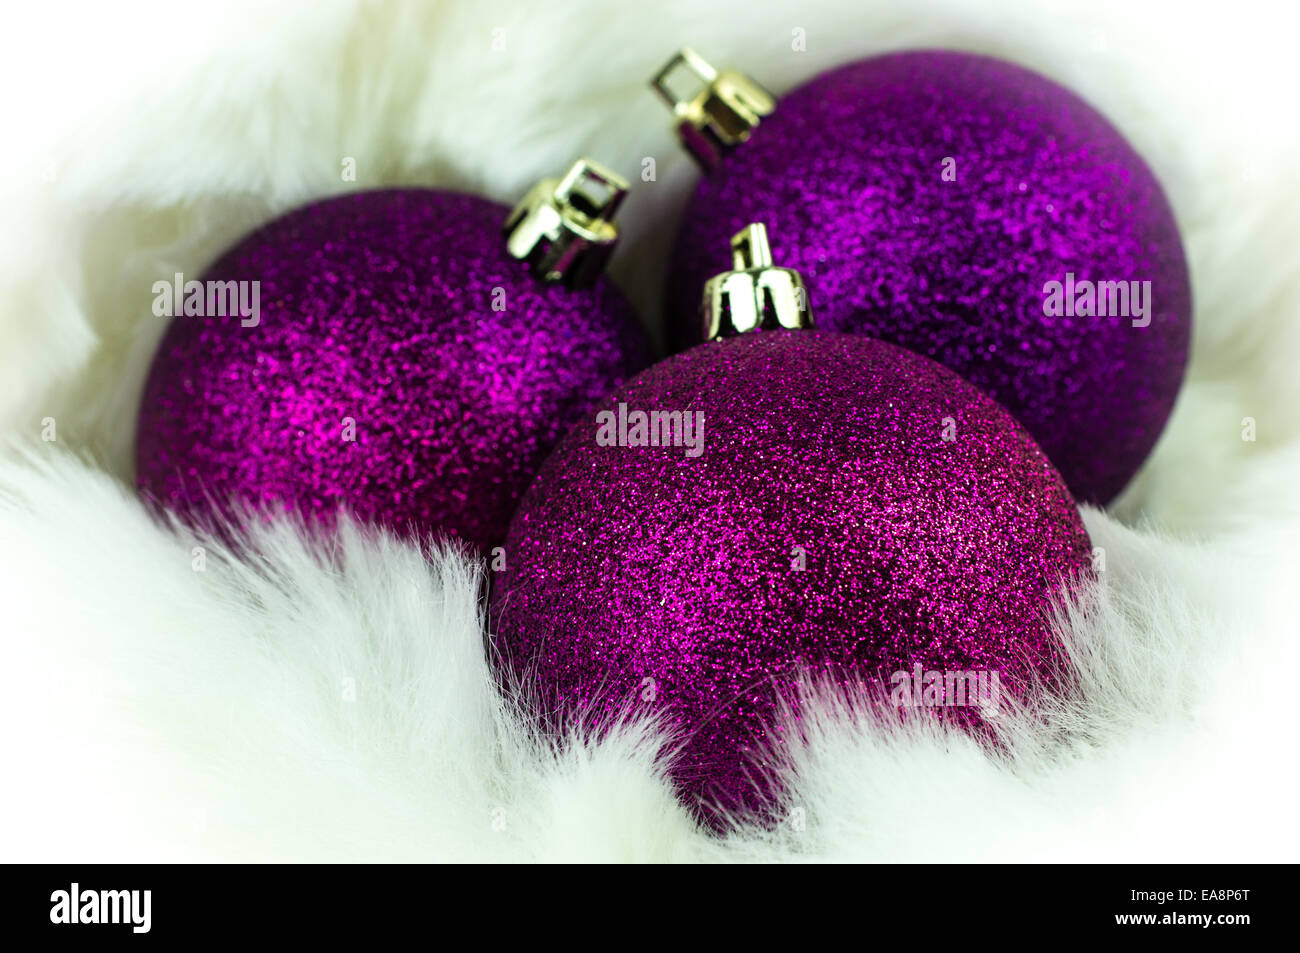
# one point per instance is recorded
(930, 199)
(401, 364)
(805, 503)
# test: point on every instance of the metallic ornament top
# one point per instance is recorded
(780, 505)
(564, 228)
(404, 363)
(981, 215)
(720, 114)
(755, 294)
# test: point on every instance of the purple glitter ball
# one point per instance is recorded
(833, 506)
(928, 198)
(402, 364)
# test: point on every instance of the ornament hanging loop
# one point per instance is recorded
(720, 115)
(755, 295)
(564, 229)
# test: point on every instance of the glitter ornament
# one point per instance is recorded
(774, 504)
(394, 356)
(968, 210)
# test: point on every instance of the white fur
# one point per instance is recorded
(155, 712)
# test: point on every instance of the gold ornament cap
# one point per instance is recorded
(564, 229)
(720, 115)
(755, 295)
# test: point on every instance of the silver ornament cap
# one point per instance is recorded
(720, 114)
(564, 229)
(755, 294)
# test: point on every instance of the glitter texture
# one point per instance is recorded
(928, 526)
(847, 175)
(378, 308)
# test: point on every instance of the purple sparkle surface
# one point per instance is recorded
(378, 308)
(848, 176)
(932, 529)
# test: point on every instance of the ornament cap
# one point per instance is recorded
(720, 114)
(563, 228)
(755, 294)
